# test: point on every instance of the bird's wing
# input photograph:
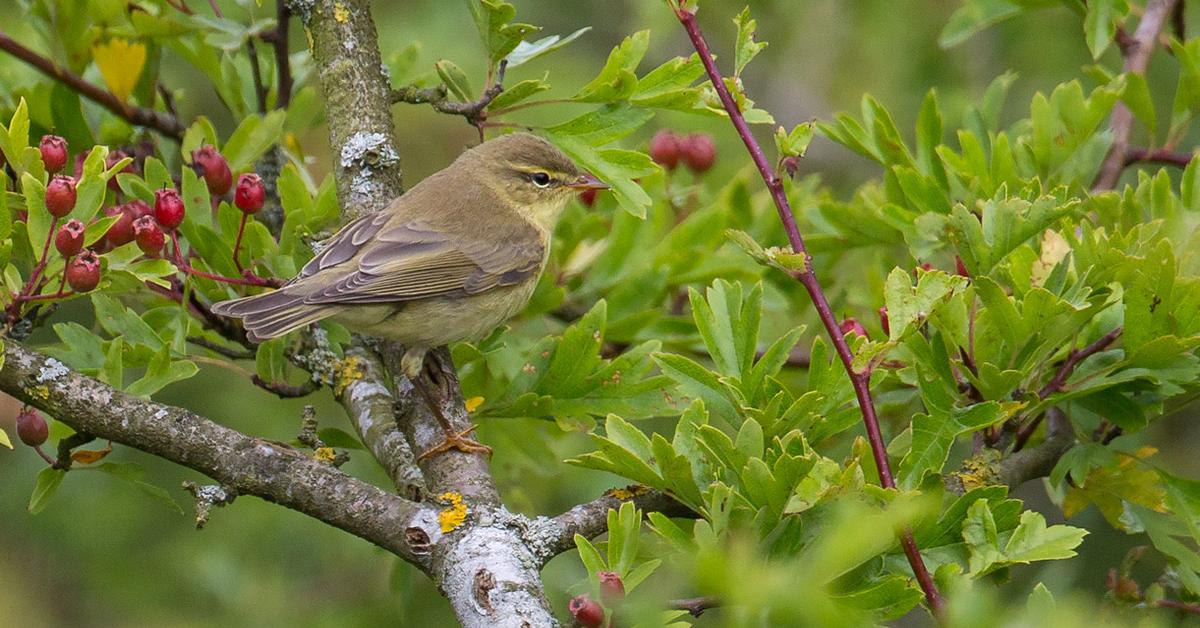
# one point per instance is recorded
(415, 260)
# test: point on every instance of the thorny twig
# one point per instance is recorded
(474, 112)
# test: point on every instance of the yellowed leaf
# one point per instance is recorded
(1054, 250)
(4, 439)
(121, 63)
(1110, 487)
(88, 456)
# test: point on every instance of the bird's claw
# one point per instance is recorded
(459, 441)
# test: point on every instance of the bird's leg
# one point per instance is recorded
(455, 439)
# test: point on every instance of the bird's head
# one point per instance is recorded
(531, 174)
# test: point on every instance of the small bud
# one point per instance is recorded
(588, 197)
(791, 165)
(149, 236)
(961, 268)
(121, 231)
(586, 611)
(612, 590)
(883, 321)
(110, 161)
(69, 239)
(851, 325)
(699, 152)
(925, 267)
(250, 193)
(54, 152)
(83, 271)
(1127, 590)
(168, 208)
(31, 427)
(664, 149)
(60, 195)
(212, 166)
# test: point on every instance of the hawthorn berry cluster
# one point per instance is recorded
(136, 221)
(697, 151)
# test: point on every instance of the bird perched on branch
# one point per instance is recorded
(449, 261)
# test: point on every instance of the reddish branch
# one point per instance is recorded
(1056, 383)
(695, 606)
(1157, 156)
(859, 379)
(1194, 609)
(164, 123)
(1137, 52)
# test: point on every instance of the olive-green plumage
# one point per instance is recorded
(449, 261)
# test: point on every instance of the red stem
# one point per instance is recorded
(50, 461)
(41, 265)
(860, 380)
(1180, 606)
(250, 280)
(237, 243)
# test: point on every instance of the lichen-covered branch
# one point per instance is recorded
(250, 466)
(1018, 467)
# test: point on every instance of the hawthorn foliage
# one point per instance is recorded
(1017, 320)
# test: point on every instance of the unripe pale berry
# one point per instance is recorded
(69, 239)
(32, 428)
(851, 325)
(612, 590)
(83, 272)
(586, 611)
(60, 195)
(698, 152)
(213, 167)
(665, 149)
(149, 236)
(250, 193)
(54, 152)
(168, 208)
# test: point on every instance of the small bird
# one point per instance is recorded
(449, 261)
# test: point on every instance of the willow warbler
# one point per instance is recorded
(449, 261)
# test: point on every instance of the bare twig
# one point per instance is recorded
(260, 90)
(283, 64)
(859, 379)
(229, 352)
(164, 123)
(475, 112)
(1157, 156)
(695, 606)
(284, 390)
(208, 496)
(1137, 53)
(590, 519)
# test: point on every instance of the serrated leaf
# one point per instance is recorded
(48, 481)
(746, 48)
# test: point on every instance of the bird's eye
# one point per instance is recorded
(540, 179)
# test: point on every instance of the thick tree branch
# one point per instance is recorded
(859, 379)
(251, 466)
(695, 606)
(1137, 51)
(164, 123)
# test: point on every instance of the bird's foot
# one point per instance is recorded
(460, 441)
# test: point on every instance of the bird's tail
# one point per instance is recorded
(273, 314)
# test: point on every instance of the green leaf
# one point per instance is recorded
(132, 472)
(746, 48)
(162, 371)
(617, 79)
(455, 80)
(499, 36)
(48, 481)
(252, 138)
(516, 93)
(581, 138)
(909, 306)
(525, 51)
(975, 16)
(1100, 23)
(592, 561)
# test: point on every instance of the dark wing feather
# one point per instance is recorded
(415, 260)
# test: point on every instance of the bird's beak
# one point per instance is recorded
(588, 182)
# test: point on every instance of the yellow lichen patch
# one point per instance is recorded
(341, 13)
(347, 372)
(980, 470)
(473, 403)
(627, 493)
(41, 392)
(455, 512)
(325, 454)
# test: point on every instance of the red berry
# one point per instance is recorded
(110, 161)
(149, 236)
(852, 326)
(31, 427)
(69, 239)
(213, 167)
(83, 271)
(54, 152)
(250, 193)
(60, 195)
(588, 197)
(698, 151)
(664, 149)
(612, 590)
(586, 611)
(121, 231)
(883, 321)
(168, 208)
(960, 267)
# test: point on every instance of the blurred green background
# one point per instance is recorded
(103, 554)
